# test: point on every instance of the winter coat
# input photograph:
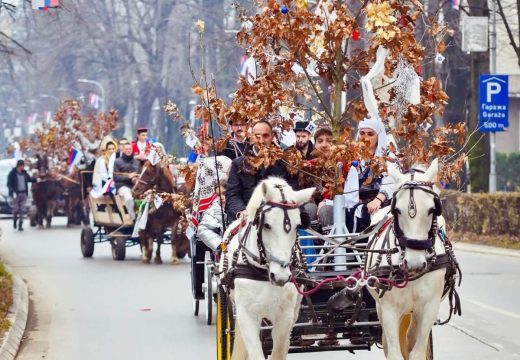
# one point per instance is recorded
(211, 227)
(235, 149)
(241, 184)
(12, 182)
(125, 165)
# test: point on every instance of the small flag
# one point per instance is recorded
(110, 187)
(193, 157)
(311, 127)
(45, 4)
(74, 156)
(93, 100)
(455, 4)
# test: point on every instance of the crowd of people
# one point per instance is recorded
(364, 192)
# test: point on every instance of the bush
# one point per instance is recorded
(6, 298)
(508, 171)
(486, 215)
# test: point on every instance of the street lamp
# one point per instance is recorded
(47, 96)
(87, 81)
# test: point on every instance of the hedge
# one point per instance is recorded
(485, 215)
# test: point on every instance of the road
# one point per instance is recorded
(101, 309)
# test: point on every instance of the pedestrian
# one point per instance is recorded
(18, 184)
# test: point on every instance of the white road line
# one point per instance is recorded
(493, 308)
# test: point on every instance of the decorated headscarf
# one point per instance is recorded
(376, 125)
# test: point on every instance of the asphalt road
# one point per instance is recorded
(101, 309)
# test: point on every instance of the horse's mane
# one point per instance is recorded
(263, 191)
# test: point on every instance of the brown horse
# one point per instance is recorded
(45, 192)
(159, 179)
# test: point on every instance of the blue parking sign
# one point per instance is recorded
(494, 103)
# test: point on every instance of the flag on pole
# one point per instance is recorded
(110, 187)
(93, 100)
(45, 4)
(455, 4)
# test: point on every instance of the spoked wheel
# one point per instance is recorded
(224, 326)
(208, 293)
(118, 248)
(87, 242)
(196, 303)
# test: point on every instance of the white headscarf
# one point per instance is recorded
(376, 125)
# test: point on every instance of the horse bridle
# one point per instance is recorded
(426, 186)
(265, 257)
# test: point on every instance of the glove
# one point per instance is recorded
(305, 220)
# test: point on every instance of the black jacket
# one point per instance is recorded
(235, 149)
(241, 184)
(12, 182)
(123, 165)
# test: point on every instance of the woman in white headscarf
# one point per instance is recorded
(104, 168)
(364, 199)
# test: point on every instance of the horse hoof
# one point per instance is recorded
(175, 260)
(146, 261)
(40, 226)
(158, 260)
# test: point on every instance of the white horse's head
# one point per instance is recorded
(275, 208)
(415, 206)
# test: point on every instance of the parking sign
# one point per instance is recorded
(494, 103)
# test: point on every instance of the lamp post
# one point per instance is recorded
(97, 83)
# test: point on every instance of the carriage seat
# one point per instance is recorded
(109, 210)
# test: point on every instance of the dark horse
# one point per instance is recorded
(45, 192)
(160, 179)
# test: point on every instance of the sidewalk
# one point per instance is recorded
(484, 249)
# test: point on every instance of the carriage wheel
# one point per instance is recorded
(87, 242)
(224, 326)
(118, 248)
(196, 303)
(208, 294)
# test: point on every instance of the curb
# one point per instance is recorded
(17, 316)
(484, 249)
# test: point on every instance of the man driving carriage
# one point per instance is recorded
(126, 174)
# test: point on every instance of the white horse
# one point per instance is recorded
(268, 245)
(416, 208)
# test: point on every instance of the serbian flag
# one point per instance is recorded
(93, 100)
(110, 187)
(45, 4)
(74, 156)
(455, 4)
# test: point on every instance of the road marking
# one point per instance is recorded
(493, 308)
(495, 347)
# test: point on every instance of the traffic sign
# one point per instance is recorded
(494, 103)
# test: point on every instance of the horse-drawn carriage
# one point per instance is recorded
(157, 221)
(341, 283)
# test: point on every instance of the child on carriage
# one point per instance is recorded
(211, 226)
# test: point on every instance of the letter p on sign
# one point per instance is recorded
(492, 88)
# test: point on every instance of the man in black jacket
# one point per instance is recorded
(126, 174)
(241, 184)
(18, 184)
(238, 145)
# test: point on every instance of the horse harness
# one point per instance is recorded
(434, 262)
(259, 269)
